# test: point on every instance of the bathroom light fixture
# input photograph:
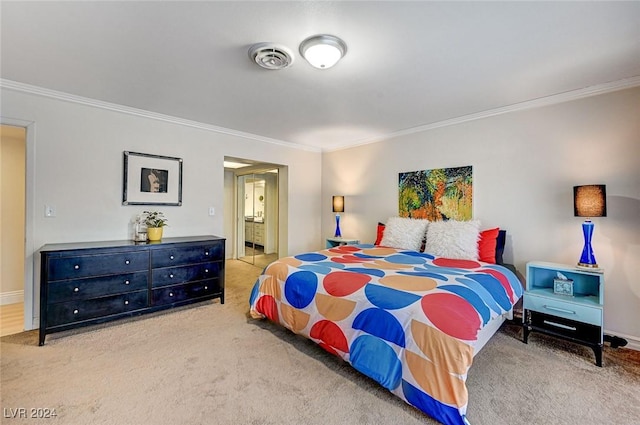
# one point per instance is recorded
(323, 51)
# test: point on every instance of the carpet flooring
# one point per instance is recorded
(212, 364)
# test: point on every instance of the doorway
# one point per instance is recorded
(12, 229)
(256, 211)
(257, 214)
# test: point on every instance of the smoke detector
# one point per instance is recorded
(271, 56)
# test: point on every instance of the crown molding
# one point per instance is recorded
(66, 97)
(529, 104)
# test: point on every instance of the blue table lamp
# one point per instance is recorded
(589, 201)
(338, 207)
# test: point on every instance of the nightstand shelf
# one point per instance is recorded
(577, 318)
(583, 299)
(334, 242)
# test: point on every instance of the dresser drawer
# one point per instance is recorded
(186, 255)
(566, 328)
(174, 294)
(94, 287)
(176, 275)
(78, 266)
(561, 308)
(77, 311)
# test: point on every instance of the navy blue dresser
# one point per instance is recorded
(94, 282)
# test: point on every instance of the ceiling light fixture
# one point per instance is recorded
(323, 51)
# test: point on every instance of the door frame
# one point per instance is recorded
(282, 207)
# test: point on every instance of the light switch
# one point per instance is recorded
(212, 211)
(49, 211)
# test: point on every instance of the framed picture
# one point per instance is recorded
(563, 287)
(437, 194)
(151, 179)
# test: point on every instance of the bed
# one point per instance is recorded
(410, 320)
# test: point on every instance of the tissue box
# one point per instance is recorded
(563, 287)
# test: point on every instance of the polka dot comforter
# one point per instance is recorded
(408, 320)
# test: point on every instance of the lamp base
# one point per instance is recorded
(587, 259)
(338, 234)
(592, 267)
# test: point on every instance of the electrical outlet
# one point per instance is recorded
(212, 211)
(49, 211)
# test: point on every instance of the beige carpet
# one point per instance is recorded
(212, 364)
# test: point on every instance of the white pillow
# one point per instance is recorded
(404, 233)
(453, 239)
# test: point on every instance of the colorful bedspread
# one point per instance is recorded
(406, 319)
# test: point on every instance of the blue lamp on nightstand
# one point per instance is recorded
(338, 207)
(589, 201)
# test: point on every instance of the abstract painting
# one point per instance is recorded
(438, 194)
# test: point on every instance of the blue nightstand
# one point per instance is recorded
(577, 317)
(333, 242)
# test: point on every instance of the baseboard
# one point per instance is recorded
(11, 297)
(633, 342)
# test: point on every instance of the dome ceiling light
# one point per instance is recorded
(271, 56)
(323, 51)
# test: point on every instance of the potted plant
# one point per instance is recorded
(155, 221)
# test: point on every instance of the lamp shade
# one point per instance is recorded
(590, 201)
(338, 204)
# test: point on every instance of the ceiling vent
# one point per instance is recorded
(271, 56)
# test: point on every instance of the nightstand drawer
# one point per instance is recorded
(566, 328)
(568, 310)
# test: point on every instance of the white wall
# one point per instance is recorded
(78, 170)
(525, 165)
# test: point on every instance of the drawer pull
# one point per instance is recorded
(126, 302)
(171, 275)
(126, 282)
(75, 311)
(171, 257)
(171, 294)
(560, 325)
(76, 267)
(76, 289)
(206, 270)
(206, 253)
(561, 310)
(206, 287)
(127, 261)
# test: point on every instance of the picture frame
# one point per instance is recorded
(563, 287)
(436, 194)
(151, 179)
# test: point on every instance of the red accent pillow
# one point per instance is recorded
(487, 245)
(380, 233)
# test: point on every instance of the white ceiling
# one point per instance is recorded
(408, 65)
